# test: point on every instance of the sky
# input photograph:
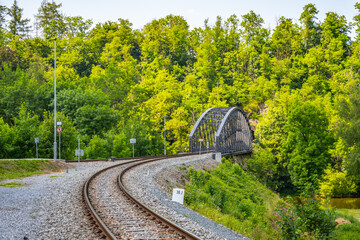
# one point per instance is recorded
(141, 12)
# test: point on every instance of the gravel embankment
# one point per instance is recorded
(145, 183)
(49, 207)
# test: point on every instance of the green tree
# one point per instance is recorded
(166, 38)
(311, 29)
(95, 120)
(50, 20)
(26, 128)
(357, 20)
(70, 100)
(77, 26)
(335, 27)
(18, 89)
(268, 163)
(285, 40)
(69, 136)
(336, 184)
(121, 147)
(103, 34)
(18, 25)
(7, 135)
(8, 57)
(179, 125)
(308, 143)
(96, 149)
(348, 129)
(253, 32)
(3, 13)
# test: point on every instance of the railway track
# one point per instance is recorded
(121, 216)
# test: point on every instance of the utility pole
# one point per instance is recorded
(55, 144)
(165, 135)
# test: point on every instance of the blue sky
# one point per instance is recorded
(140, 12)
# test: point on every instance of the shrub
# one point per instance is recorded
(96, 149)
(233, 198)
(336, 184)
(305, 216)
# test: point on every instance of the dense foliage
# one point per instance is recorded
(230, 196)
(298, 83)
(305, 218)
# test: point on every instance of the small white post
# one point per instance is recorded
(59, 146)
(178, 195)
(79, 154)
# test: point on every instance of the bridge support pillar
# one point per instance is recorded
(217, 156)
(241, 159)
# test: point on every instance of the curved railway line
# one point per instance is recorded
(120, 215)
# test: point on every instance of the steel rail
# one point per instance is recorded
(99, 221)
(176, 227)
(122, 159)
(96, 217)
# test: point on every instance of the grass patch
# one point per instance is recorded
(348, 231)
(230, 196)
(12, 184)
(13, 169)
(182, 168)
(349, 212)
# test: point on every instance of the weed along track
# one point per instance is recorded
(118, 214)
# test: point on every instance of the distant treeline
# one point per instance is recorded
(299, 83)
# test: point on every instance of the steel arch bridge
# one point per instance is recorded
(222, 129)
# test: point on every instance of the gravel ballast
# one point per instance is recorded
(146, 181)
(50, 206)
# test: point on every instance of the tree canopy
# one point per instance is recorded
(297, 82)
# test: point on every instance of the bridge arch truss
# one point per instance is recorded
(222, 129)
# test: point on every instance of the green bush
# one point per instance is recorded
(96, 149)
(233, 198)
(121, 146)
(336, 184)
(305, 218)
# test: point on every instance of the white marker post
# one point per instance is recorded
(36, 143)
(200, 141)
(59, 129)
(79, 152)
(178, 195)
(218, 157)
(133, 141)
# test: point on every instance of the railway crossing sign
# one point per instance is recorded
(59, 129)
